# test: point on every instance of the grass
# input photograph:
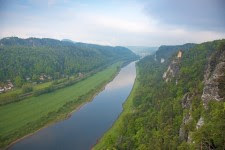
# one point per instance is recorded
(24, 117)
(10, 95)
(42, 85)
(19, 90)
(17, 94)
(114, 132)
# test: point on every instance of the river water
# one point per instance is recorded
(82, 130)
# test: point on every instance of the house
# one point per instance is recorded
(2, 90)
(6, 87)
(162, 60)
(80, 75)
(10, 84)
(41, 77)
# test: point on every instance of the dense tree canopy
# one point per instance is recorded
(157, 115)
(166, 52)
(32, 57)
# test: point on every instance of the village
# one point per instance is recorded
(6, 87)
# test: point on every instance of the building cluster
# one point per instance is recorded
(44, 77)
(6, 87)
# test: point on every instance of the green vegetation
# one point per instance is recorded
(153, 114)
(167, 51)
(29, 89)
(24, 117)
(33, 59)
(18, 93)
(112, 134)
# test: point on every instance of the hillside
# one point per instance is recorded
(142, 50)
(26, 116)
(175, 105)
(166, 51)
(29, 59)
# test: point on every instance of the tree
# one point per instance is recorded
(27, 88)
(18, 81)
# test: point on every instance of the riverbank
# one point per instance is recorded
(113, 133)
(17, 94)
(79, 94)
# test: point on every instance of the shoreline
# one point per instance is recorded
(126, 102)
(68, 115)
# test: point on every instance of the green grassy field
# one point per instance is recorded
(20, 118)
(115, 130)
(18, 91)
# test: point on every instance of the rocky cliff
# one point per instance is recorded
(213, 90)
(173, 68)
(214, 79)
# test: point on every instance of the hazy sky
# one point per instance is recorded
(115, 22)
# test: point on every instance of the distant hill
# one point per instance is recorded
(68, 40)
(31, 57)
(142, 50)
(166, 51)
(34, 42)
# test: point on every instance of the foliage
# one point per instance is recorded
(166, 52)
(156, 114)
(24, 117)
(211, 134)
(27, 88)
(33, 57)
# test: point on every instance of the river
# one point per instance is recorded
(85, 126)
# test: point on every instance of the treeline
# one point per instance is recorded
(157, 113)
(166, 52)
(29, 59)
(28, 89)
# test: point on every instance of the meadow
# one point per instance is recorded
(21, 118)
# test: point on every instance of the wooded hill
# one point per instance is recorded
(178, 104)
(22, 59)
(166, 51)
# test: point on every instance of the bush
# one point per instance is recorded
(27, 88)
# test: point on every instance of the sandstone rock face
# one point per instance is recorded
(200, 123)
(214, 79)
(172, 70)
(213, 90)
(186, 104)
(186, 101)
(179, 55)
(183, 134)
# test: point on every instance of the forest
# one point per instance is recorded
(174, 114)
(32, 58)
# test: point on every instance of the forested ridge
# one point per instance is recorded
(22, 59)
(185, 112)
(165, 52)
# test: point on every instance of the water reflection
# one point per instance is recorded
(126, 79)
(89, 123)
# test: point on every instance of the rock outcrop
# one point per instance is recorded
(173, 68)
(186, 104)
(214, 82)
(186, 101)
(214, 79)
(200, 123)
(183, 133)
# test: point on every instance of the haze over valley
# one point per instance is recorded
(112, 74)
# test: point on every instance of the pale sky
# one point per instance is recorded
(115, 22)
